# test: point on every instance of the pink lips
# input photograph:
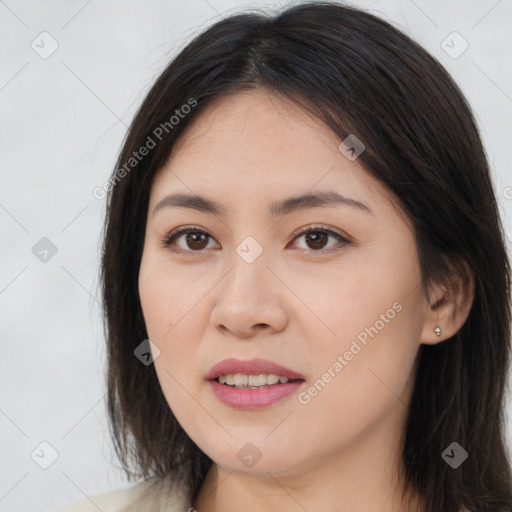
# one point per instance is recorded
(252, 398)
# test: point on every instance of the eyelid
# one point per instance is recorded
(319, 227)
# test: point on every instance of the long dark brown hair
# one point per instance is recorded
(359, 75)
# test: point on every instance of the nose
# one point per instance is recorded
(250, 299)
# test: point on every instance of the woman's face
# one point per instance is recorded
(342, 312)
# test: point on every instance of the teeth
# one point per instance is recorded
(257, 380)
(240, 380)
(267, 379)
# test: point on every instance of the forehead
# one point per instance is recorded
(254, 116)
(257, 144)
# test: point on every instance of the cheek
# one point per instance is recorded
(374, 314)
(358, 391)
(354, 298)
(168, 315)
(166, 297)
(171, 305)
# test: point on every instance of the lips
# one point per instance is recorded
(250, 398)
(252, 367)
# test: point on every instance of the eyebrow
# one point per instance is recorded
(278, 209)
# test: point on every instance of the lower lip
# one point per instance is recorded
(253, 398)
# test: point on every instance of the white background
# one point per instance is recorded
(62, 122)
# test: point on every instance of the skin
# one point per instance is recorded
(299, 304)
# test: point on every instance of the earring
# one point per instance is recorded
(437, 330)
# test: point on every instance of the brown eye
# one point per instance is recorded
(196, 240)
(192, 240)
(317, 238)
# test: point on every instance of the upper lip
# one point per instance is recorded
(252, 367)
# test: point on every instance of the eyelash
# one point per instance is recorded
(310, 229)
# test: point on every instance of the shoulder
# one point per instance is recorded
(115, 500)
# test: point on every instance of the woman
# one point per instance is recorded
(305, 283)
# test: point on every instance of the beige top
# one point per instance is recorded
(147, 496)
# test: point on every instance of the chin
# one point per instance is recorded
(258, 460)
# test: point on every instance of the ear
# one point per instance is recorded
(450, 304)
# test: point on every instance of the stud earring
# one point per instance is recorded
(437, 330)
